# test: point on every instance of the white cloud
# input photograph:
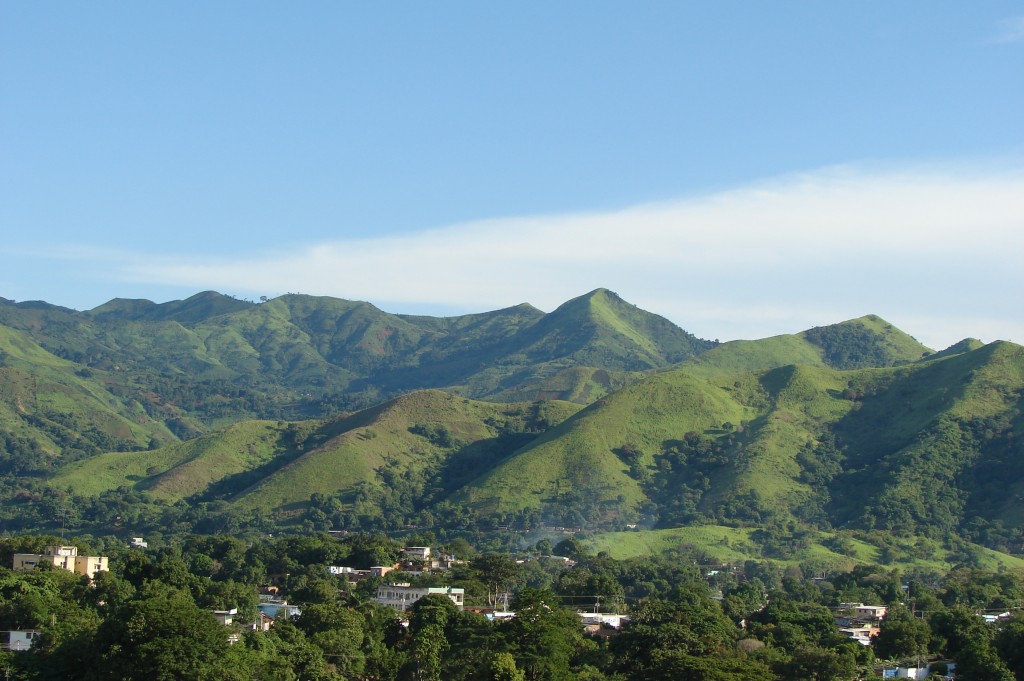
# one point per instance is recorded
(1011, 30)
(929, 247)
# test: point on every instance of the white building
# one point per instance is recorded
(18, 640)
(416, 553)
(225, 617)
(402, 596)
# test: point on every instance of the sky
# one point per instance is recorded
(743, 169)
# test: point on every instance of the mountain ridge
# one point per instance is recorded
(329, 412)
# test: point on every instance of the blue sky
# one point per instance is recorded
(744, 169)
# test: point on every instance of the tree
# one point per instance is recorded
(543, 637)
(791, 624)
(504, 668)
(428, 647)
(497, 572)
(678, 637)
(338, 632)
(1010, 644)
(956, 628)
(571, 547)
(160, 635)
(901, 635)
(817, 664)
(742, 601)
(978, 661)
(675, 664)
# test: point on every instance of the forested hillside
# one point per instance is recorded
(138, 415)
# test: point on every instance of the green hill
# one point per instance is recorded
(324, 412)
(735, 545)
(416, 442)
(865, 342)
(133, 374)
(924, 448)
(53, 411)
(854, 344)
(181, 470)
(307, 356)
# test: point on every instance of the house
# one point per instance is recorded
(860, 634)
(417, 553)
(138, 543)
(278, 609)
(920, 673)
(63, 557)
(263, 622)
(18, 640)
(610, 619)
(340, 570)
(225, 617)
(869, 612)
(402, 596)
(992, 619)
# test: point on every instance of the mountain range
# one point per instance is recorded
(597, 415)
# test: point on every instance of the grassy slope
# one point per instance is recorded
(36, 383)
(177, 471)
(897, 345)
(728, 544)
(739, 356)
(314, 344)
(755, 355)
(259, 465)
(885, 418)
(582, 385)
(889, 429)
(381, 437)
(602, 330)
(783, 410)
(904, 441)
(579, 456)
(797, 400)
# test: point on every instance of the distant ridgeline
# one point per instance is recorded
(330, 414)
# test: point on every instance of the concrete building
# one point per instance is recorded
(226, 617)
(420, 553)
(870, 612)
(63, 557)
(278, 609)
(402, 596)
(18, 640)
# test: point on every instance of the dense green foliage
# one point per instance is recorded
(106, 418)
(869, 342)
(150, 617)
(189, 364)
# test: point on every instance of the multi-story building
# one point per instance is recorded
(63, 557)
(402, 596)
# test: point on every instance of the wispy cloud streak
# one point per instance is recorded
(767, 258)
(1010, 30)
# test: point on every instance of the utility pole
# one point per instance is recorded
(62, 515)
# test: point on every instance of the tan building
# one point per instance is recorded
(63, 557)
(870, 612)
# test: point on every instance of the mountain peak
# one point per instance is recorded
(867, 341)
(193, 309)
